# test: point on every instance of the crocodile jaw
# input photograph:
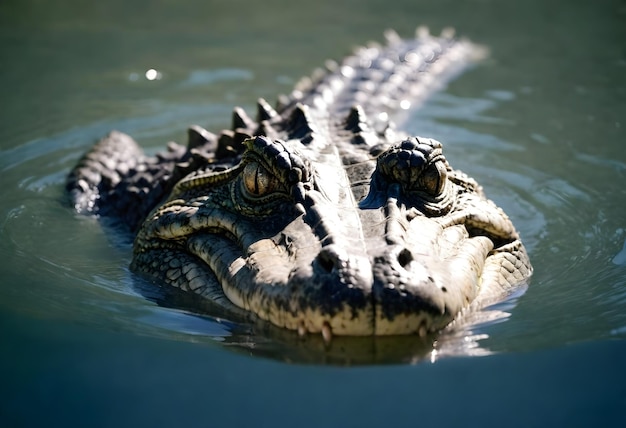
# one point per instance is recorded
(300, 281)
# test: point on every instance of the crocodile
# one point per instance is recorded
(319, 215)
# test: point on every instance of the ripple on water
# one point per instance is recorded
(75, 271)
(620, 258)
(566, 219)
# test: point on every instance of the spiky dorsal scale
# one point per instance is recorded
(317, 75)
(356, 121)
(300, 124)
(241, 120)
(225, 144)
(197, 136)
(268, 130)
(265, 111)
(392, 37)
(282, 101)
(331, 65)
(422, 32)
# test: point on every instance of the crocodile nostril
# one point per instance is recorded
(405, 257)
(327, 260)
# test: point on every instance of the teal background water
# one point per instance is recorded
(540, 123)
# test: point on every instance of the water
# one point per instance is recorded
(541, 124)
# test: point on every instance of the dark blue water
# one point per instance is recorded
(540, 124)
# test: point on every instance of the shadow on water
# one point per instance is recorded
(181, 313)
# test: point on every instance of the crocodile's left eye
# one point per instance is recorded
(433, 178)
(258, 181)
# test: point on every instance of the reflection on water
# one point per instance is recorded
(200, 78)
(179, 319)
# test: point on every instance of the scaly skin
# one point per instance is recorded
(318, 216)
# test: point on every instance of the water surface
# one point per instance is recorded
(540, 124)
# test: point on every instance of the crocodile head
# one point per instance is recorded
(397, 244)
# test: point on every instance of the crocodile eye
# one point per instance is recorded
(433, 179)
(257, 180)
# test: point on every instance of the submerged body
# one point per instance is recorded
(318, 216)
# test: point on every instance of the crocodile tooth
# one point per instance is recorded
(327, 332)
(422, 330)
(264, 111)
(301, 329)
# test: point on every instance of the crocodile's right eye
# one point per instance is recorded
(257, 180)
